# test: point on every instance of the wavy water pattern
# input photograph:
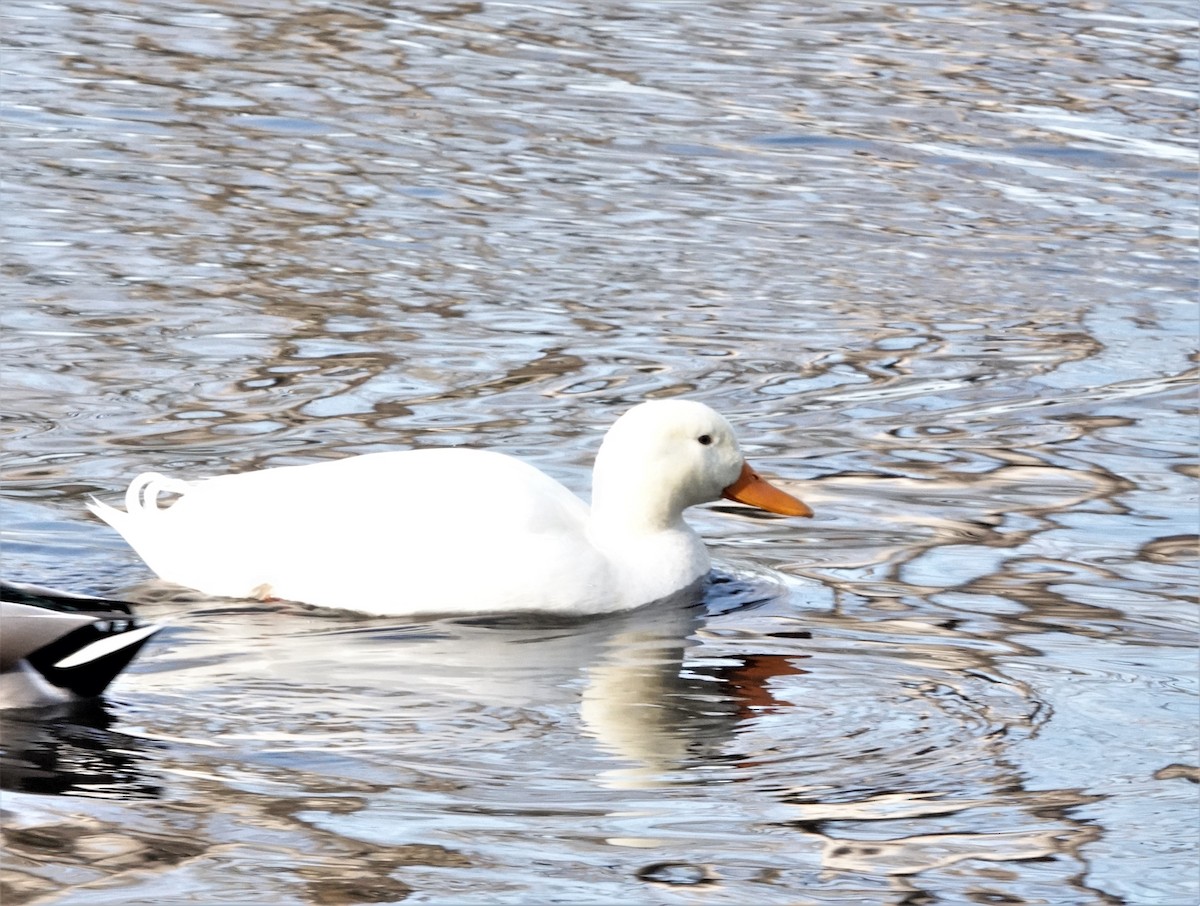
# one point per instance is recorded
(935, 261)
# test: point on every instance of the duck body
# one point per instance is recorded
(57, 647)
(451, 530)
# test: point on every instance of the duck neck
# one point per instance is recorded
(617, 521)
(632, 510)
(656, 552)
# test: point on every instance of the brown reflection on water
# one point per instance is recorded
(96, 852)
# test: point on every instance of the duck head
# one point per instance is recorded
(664, 456)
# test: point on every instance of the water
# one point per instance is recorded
(935, 262)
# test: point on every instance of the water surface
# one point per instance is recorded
(936, 263)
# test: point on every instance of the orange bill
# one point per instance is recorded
(754, 491)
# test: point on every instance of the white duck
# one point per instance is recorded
(455, 530)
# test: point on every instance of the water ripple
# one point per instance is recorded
(938, 269)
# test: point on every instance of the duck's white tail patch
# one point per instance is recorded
(141, 501)
(144, 524)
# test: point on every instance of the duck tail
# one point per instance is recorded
(143, 493)
(141, 499)
(141, 523)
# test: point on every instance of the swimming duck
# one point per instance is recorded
(57, 647)
(455, 530)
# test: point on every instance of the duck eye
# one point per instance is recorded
(705, 439)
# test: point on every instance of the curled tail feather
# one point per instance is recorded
(143, 493)
(141, 499)
(139, 524)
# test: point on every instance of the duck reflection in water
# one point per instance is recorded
(641, 698)
(73, 750)
(645, 704)
(649, 704)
